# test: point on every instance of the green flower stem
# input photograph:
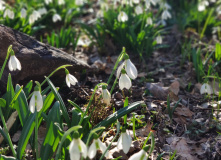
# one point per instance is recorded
(7, 134)
(61, 67)
(121, 56)
(36, 135)
(91, 99)
(113, 86)
(6, 59)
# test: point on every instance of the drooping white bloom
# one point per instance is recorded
(77, 148)
(149, 21)
(124, 81)
(56, 17)
(42, 11)
(48, 1)
(106, 95)
(206, 88)
(9, 13)
(130, 69)
(61, 2)
(23, 13)
(14, 63)
(119, 69)
(136, 1)
(138, 10)
(96, 145)
(36, 101)
(79, 2)
(2, 5)
(202, 5)
(124, 142)
(166, 15)
(70, 80)
(122, 17)
(159, 40)
(34, 16)
(141, 155)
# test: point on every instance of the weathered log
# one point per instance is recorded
(37, 59)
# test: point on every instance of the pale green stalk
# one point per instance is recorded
(7, 134)
(36, 135)
(6, 59)
(61, 67)
(121, 56)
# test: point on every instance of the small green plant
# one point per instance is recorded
(64, 38)
(171, 111)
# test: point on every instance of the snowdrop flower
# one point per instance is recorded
(77, 148)
(56, 17)
(8, 13)
(206, 88)
(130, 68)
(138, 10)
(36, 100)
(106, 95)
(124, 141)
(149, 21)
(13, 62)
(202, 5)
(70, 79)
(159, 40)
(48, 1)
(61, 2)
(141, 155)
(136, 1)
(166, 15)
(122, 17)
(34, 17)
(96, 145)
(79, 2)
(23, 13)
(2, 5)
(42, 11)
(124, 81)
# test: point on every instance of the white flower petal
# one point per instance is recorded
(18, 64)
(92, 150)
(137, 156)
(119, 143)
(102, 147)
(74, 150)
(39, 103)
(13, 62)
(68, 81)
(72, 79)
(131, 69)
(106, 96)
(206, 88)
(83, 148)
(10, 64)
(124, 82)
(126, 141)
(32, 103)
(119, 69)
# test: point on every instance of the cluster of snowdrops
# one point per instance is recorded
(77, 149)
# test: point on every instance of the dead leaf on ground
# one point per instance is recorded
(175, 87)
(157, 90)
(182, 148)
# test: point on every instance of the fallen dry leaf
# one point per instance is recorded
(175, 87)
(157, 90)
